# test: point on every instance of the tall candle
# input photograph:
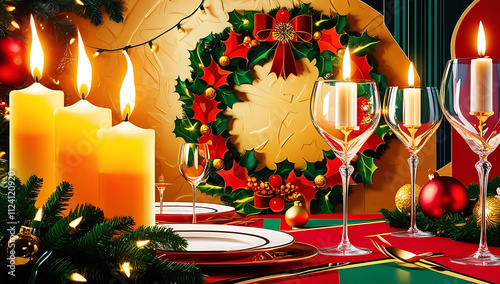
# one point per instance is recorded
(76, 138)
(32, 126)
(346, 95)
(126, 158)
(411, 102)
(481, 94)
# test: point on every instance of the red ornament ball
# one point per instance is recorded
(442, 195)
(277, 204)
(296, 216)
(283, 16)
(275, 181)
(13, 69)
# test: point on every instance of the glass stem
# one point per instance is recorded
(194, 204)
(483, 169)
(161, 201)
(413, 163)
(345, 171)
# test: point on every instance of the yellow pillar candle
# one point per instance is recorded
(346, 96)
(32, 138)
(76, 138)
(481, 78)
(126, 156)
(411, 102)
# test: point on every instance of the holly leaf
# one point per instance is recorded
(235, 47)
(249, 161)
(220, 124)
(361, 68)
(244, 202)
(283, 168)
(304, 187)
(205, 110)
(304, 50)
(197, 57)
(332, 174)
(382, 81)
(326, 62)
(365, 167)
(360, 46)
(236, 177)
(211, 189)
(324, 202)
(330, 40)
(325, 22)
(184, 95)
(242, 23)
(342, 24)
(240, 77)
(264, 174)
(227, 95)
(304, 8)
(188, 129)
(216, 145)
(198, 86)
(313, 169)
(214, 75)
(260, 55)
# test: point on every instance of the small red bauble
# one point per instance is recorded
(275, 181)
(442, 195)
(283, 16)
(13, 69)
(277, 204)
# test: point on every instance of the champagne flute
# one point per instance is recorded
(413, 114)
(345, 115)
(194, 165)
(161, 185)
(471, 104)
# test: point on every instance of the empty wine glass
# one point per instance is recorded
(413, 114)
(194, 165)
(161, 185)
(345, 113)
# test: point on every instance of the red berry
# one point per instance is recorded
(275, 181)
(282, 16)
(277, 204)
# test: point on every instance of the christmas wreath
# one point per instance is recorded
(224, 61)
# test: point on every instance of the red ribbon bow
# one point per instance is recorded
(298, 29)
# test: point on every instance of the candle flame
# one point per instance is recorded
(411, 76)
(38, 216)
(84, 70)
(127, 91)
(126, 268)
(77, 277)
(36, 54)
(481, 40)
(346, 65)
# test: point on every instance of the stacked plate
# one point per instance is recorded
(226, 245)
(182, 212)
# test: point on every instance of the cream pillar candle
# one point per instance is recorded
(126, 157)
(76, 138)
(346, 96)
(481, 94)
(32, 138)
(411, 102)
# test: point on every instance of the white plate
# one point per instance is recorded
(208, 238)
(183, 211)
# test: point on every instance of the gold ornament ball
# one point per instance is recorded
(296, 216)
(329, 76)
(23, 249)
(224, 60)
(340, 52)
(247, 40)
(210, 93)
(218, 164)
(254, 43)
(320, 180)
(403, 197)
(205, 129)
(154, 48)
(317, 35)
(492, 211)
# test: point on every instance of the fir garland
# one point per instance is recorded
(96, 247)
(458, 227)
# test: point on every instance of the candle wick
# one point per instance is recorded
(126, 117)
(83, 96)
(36, 79)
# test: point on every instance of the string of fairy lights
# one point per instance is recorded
(153, 47)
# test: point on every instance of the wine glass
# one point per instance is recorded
(161, 185)
(470, 103)
(194, 165)
(345, 115)
(413, 114)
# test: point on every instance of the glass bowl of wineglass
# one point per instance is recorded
(194, 165)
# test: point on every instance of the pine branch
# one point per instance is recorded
(56, 204)
(93, 12)
(162, 237)
(114, 8)
(162, 271)
(56, 270)
(26, 195)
